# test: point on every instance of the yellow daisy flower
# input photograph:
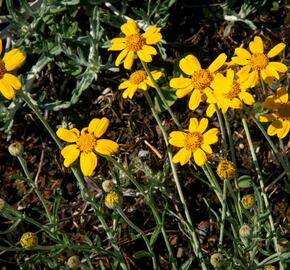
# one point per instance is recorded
(280, 116)
(86, 144)
(8, 82)
(199, 81)
(230, 92)
(195, 142)
(134, 42)
(138, 80)
(257, 62)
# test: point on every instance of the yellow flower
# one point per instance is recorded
(257, 62)
(8, 82)
(199, 81)
(230, 92)
(86, 143)
(248, 201)
(226, 170)
(269, 267)
(138, 80)
(28, 240)
(193, 142)
(280, 116)
(113, 199)
(134, 42)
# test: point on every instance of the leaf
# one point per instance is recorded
(11, 228)
(245, 181)
(186, 264)
(141, 254)
(155, 235)
(170, 98)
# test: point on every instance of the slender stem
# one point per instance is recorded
(229, 133)
(222, 225)
(287, 165)
(196, 245)
(222, 128)
(159, 92)
(138, 230)
(261, 182)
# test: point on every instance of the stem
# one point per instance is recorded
(229, 133)
(159, 92)
(222, 128)
(196, 245)
(222, 226)
(138, 230)
(261, 182)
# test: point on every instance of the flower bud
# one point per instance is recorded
(269, 267)
(248, 201)
(108, 185)
(113, 199)
(15, 149)
(73, 261)
(29, 240)
(216, 259)
(226, 170)
(245, 231)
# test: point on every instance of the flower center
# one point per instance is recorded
(284, 111)
(234, 92)
(86, 142)
(201, 79)
(259, 61)
(193, 141)
(138, 77)
(2, 69)
(135, 42)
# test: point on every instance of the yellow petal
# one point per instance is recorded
(106, 147)
(180, 82)
(282, 94)
(193, 125)
(240, 61)
(195, 99)
(203, 125)
(210, 136)
(242, 53)
(217, 63)
(254, 78)
(282, 132)
(118, 40)
(149, 50)
(266, 117)
(71, 155)
(247, 98)
(12, 80)
(150, 31)
(121, 56)
(278, 66)
(6, 89)
(276, 50)
(130, 91)
(210, 110)
(182, 156)
(206, 148)
(156, 74)
(68, 149)
(117, 47)
(236, 103)
(153, 39)
(256, 46)
(129, 28)
(13, 59)
(273, 127)
(1, 46)
(180, 93)
(177, 138)
(98, 126)
(230, 74)
(244, 72)
(124, 84)
(142, 86)
(128, 62)
(199, 157)
(270, 70)
(144, 56)
(88, 162)
(68, 135)
(189, 64)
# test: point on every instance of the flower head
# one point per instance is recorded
(226, 170)
(231, 92)
(269, 267)
(216, 259)
(135, 43)
(29, 240)
(248, 201)
(73, 261)
(9, 82)
(138, 80)
(280, 117)
(199, 81)
(85, 144)
(257, 62)
(194, 142)
(108, 185)
(245, 231)
(113, 199)
(16, 149)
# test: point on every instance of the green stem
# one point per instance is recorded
(229, 133)
(261, 182)
(222, 225)
(138, 230)
(222, 128)
(196, 245)
(159, 92)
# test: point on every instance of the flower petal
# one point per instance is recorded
(117, 47)
(150, 31)
(88, 162)
(98, 126)
(217, 63)
(129, 28)
(121, 56)
(68, 135)
(179, 82)
(6, 89)
(12, 80)
(182, 156)
(193, 125)
(144, 56)
(210, 136)
(124, 84)
(266, 117)
(195, 99)
(149, 50)
(177, 138)
(153, 39)
(272, 72)
(242, 53)
(180, 93)
(282, 94)
(199, 157)
(203, 123)
(257, 45)
(273, 127)
(240, 61)
(70, 154)
(130, 91)
(206, 147)
(276, 50)
(210, 110)
(278, 66)
(106, 147)
(189, 64)
(247, 98)
(13, 59)
(282, 132)
(128, 62)
(68, 149)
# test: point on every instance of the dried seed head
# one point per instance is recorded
(73, 261)
(113, 199)
(216, 259)
(226, 170)
(245, 231)
(29, 240)
(248, 201)
(108, 185)
(15, 149)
